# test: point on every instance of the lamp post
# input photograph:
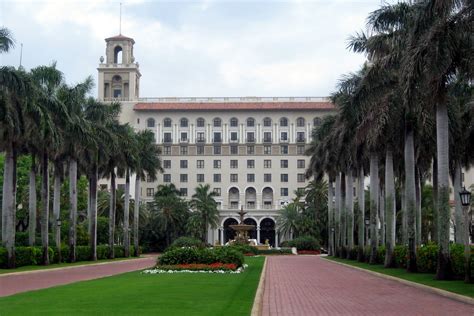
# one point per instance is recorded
(465, 196)
(58, 238)
(367, 223)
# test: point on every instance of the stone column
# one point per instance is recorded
(258, 234)
(276, 239)
(222, 235)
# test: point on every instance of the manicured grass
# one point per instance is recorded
(455, 286)
(59, 265)
(135, 293)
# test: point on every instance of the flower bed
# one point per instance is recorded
(309, 252)
(197, 268)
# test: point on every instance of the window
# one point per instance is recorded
(150, 122)
(167, 138)
(234, 122)
(217, 122)
(183, 191)
(233, 136)
(267, 150)
(183, 164)
(267, 137)
(217, 177)
(167, 150)
(300, 149)
(200, 177)
(167, 122)
(300, 163)
(183, 122)
(267, 163)
(250, 137)
(300, 137)
(183, 150)
(166, 164)
(300, 122)
(200, 122)
(284, 149)
(217, 191)
(234, 177)
(200, 137)
(267, 122)
(150, 191)
(301, 177)
(250, 163)
(284, 122)
(200, 150)
(234, 205)
(234, 164)
(217, 164)
(250, 150)
(267, 177)
(184, 137)
(284, 163)
(250, 177)
(284, 177)
(234, 150)
(217, 150)
(217, 137)
(148, 178)
(183, 177)
(317, 121)
(200, 164)
(250, 204)
(167, 177)
(250, 122)
(284, 136)
(284, 191)
(138, 121)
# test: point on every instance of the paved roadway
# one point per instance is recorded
(311, 285)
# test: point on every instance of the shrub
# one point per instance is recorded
(180, 255)
(21, 239)
(244, 249)
(205, 256)
(187, 242)
(64, 254)
(400, 252)
(119, 251)
(281, 251)
(83, 253)
(102, 252)
(380, 259)
(26, 256)
(457, 259)
(305, 243)
(427, 258)
(229, 255)
(3, 257)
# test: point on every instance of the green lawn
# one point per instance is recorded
(143, 294)
(59, 265)
(457, 286)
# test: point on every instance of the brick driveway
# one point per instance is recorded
(34, 280)
(310, 285)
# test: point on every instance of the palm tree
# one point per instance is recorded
(287, 220)
(205, 205)
(6, 40)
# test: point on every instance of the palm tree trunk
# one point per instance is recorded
(467, 247)
(382, 216)
(32, 204)
(337, 216)
(435, 236)
(361, 203)
(330, 218)
(45, 208)
(418, 207)
(136, 216)
(390, 209)
(349, 212)
(8, 206)
(443, 271)
(342, 213)
(73, 209)
(57, 209)
(374, 197)
(458, 213)
(404, 239)
(93, 212)
(126, 234)
(112, 210)
(410, 197)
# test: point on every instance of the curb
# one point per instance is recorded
(71, 267)
(451, 295)
(258, 301)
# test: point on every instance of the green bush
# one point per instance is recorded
(64, 254)
(3, 257)
(27, 256)
(102, 252)
(457, 259)
(83, 253)
(305, 243)
(201, 255)
(187, 242)
(400, 253)
(281, 251)
(427, 258)
(21, 239)
(380, 259)
(119, 251)
(229, 255)
(244, 249)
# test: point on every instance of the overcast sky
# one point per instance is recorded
(197, 48)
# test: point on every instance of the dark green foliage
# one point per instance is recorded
(380, 259)
(187, 242)
(27, 256)
(64, 254)
(204, 255)
(305, 243)
(83, 253)
(400, 253)
(21, 239)
(102, 230)
(244, 249)
(120, 251)
(102, 252)
(352, 253)
(457, 259)
(281, 251)
(426, 258)
(229, 255)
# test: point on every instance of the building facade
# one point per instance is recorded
(250, 150)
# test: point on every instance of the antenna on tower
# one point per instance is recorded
(120, 21)
(21, 53)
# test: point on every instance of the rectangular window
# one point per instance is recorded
(217, 177)
(183, 164)
(284, 136)
(217, 150)
(150, 191)
(267, 137)
(250, 150)
(284, 163)
(167, 150)
(148, 178)
(184, 137)
(300, 137)
(217, 191)
(284, 177)
(250, 177)
(167, 164)
(234, 150)
(251, 205)
(200, 150)
(200, 177)
(183, 177)
(234, 164)
(217, 164)
(267, 150)
(301, 163)
(250, 137)
(267, 177)
(301, 177)
(300, 149)
(217, 137)
(234, 205)
(200, 164)
(183, 150)
(167, 138)
(284, 191)
(167, 177)
(284, 149)
(183, 191)
(200, 137)
(267, 163)
(233, 136)
(234, 177)
(250, 163)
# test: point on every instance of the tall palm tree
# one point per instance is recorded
(287, 220)
(205, 205)
(6, 40)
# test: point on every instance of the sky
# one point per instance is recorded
(199, 48)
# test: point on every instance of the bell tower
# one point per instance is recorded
(119, 74)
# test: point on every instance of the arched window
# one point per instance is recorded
(167, 122)
(284, 122)
(267, 122)
(317, 121)
(300, 122)
(217, 122)
(200, 122)
(150, 122)
(250, 122)
(183, 122)
(117, 55)
(234, 122)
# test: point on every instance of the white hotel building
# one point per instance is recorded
(250, 150)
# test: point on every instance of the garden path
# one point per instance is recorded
(40, 279)
(311, 285)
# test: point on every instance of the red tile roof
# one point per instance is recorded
(232, 106)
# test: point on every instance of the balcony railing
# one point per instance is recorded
(250, 140)
(167, 140)
(267, 140)
(184, 141)
(283, 140)
(217, 140)
(300, 140)
(200, 140)
(233, 140)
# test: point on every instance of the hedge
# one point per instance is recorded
(281, 251)
(201, 255)
(304, 243)
(187, 242)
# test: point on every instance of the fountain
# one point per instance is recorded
(242, 229)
